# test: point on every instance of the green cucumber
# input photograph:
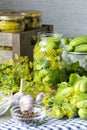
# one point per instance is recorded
(69, 48)
(81, 48)
(82, 104)
(78, 97)
(78, 40)
(83, 86)
(63, 94)
(65, 40)
(82, 114)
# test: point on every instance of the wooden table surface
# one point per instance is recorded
(5, 117)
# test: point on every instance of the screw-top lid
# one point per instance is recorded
(11, 16)
(30, 13)
(7, 11)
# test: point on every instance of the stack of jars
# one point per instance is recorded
(14, 21)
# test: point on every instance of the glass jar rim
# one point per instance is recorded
(48, 34)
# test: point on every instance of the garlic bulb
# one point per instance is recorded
(26, 103)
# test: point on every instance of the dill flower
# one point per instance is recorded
(11, 62)
(46, 101)
(11, 72)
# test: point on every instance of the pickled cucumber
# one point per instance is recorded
(1, 47)
(78, 40)
(7, 48)
(81, 48)
(12, 31)
(10, 25)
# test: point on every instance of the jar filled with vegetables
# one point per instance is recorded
(12, 23)
(76, 48)
(49, 65)
(32, 19)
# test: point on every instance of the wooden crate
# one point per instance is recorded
(22, 43)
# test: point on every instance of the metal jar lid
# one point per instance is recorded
(7, 11)
(31, 13)
(11, 16)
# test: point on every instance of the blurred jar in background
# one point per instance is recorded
(12, 23)
(32, 19)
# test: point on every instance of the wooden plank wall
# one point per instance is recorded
(67, 16)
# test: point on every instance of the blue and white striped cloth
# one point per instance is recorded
(48, 124)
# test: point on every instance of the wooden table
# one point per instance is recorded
(5, 117)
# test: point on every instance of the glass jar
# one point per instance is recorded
(78, 57)
(12, 23)
(32, 19)
(49, 66)
(25, 118)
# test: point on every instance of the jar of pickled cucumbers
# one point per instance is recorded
(32, 19)
(12, 23)
(49, 65)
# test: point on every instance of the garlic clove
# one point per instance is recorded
(26, 103)
(16, 98)
(39, 98)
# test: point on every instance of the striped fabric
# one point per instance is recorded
(49, 123)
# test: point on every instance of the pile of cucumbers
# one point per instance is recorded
(77, 44)
(71, 98)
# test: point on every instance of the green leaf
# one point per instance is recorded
(73, 66)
